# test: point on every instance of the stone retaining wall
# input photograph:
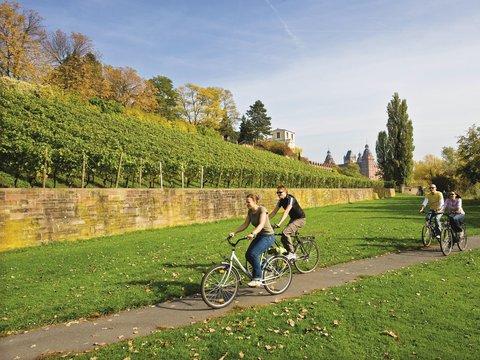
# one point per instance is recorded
(35, 216)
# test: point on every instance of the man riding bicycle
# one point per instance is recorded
(297, 218)
(434, 200)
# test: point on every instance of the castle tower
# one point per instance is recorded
(367, 164)
(329, 159)
(349, 158)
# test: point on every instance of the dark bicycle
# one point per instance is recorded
(307, 251)
(428, 229)
(450, 237)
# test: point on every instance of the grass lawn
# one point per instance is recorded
(427, 311)
(71, 280)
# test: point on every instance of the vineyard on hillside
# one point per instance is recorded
(45, 134)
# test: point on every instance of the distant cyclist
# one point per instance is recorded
(434, 200)
(297, 218)
(456, 213)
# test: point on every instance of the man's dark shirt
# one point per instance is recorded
(296, 211)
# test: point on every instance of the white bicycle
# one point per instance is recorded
(220, 284)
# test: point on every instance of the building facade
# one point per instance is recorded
(366, 162)
(368, 166)
(284, 136)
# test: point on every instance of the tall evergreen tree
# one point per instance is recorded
(383, 156)
(247, 135)
(261, 123)
(395, 148)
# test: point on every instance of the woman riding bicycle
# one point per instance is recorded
(434, 200)
(262, 236)
(456, 213)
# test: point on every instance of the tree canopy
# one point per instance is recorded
(247, 135)
(469, 155)
(165, 96)
(21, 37)
(351, 169)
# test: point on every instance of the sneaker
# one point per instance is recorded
(254, 283)
(291, 256)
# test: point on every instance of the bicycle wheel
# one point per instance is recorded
(308, 256)
(426, 235)
(462, 241)
(277, 274)
(446, 241)
(219, 286)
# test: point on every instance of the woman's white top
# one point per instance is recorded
(455, 206)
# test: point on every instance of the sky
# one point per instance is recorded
(324, 69)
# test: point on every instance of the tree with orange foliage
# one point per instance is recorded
(129, 89)
(75, 64)
(21, 36)
(82, 74)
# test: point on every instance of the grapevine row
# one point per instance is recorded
(46, 133)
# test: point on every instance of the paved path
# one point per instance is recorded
(79, 336)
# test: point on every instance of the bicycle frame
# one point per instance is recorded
(307, 252)
(448, 226)
(234, 259)
(296, 239)
(234, 263)
(431, 221)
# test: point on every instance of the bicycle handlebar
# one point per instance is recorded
(433, 212)
(234, 243)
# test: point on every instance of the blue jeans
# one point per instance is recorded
(255, 249)
(456, 221)
(430, 213)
